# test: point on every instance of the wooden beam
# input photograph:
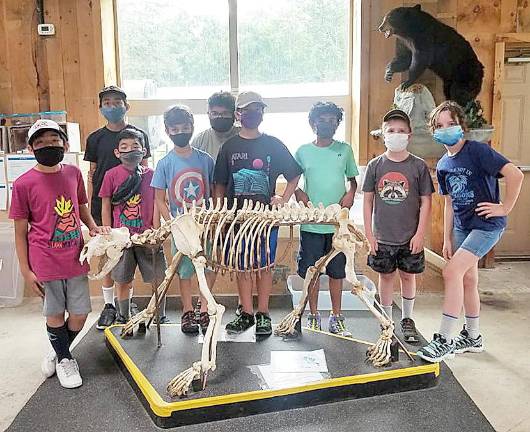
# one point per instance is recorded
(513, 37)
(496, 121)
(6, 97)
(54, 57)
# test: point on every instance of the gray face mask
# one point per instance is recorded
(131, 158)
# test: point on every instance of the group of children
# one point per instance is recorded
(49, 203)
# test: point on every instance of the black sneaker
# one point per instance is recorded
(437, 350)
(188, 323)
(107, 317)
(263, 324)
(204, 320)
(240, 323)
(465, 343)
(408, 328)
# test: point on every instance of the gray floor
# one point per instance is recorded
(497, 380)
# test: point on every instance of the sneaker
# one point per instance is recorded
(437, 350)
(107, 317)
(263, 324)
(240, 323)
(464, 343)
(47, 365)
(188, 323)
(408, 328)
(337, 325)
(313, 321)
(204, 320)
(68, 373)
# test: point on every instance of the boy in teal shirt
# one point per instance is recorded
(326, 164)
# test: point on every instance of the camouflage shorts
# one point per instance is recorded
(391, 257)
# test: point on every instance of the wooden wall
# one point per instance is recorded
(477, 20)
(61, 72)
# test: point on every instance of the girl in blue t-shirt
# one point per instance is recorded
(474, 220)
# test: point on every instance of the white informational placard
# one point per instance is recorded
(3, 197)
(18, 165)
(280, 380)
(298, 361)
(3, 169)
(9, 192)
(70, 159)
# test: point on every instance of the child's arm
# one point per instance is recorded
(156, 216)
(300, 195)
(219, 191)
(160, 202)
(21, 245)
(513, 178)
(86, 218)
(447, 249)
(368, 206)
(416, 242)
(289, 190)
(106, 211)
(90, 185)
(349, 196)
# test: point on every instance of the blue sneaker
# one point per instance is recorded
(465, 343)
(437, 350)
(337, 325)
(314, 322)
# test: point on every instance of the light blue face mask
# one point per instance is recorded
(113, 114)
(448, 136)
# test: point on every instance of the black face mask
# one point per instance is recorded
(181, 139)
(325, 130)
(49, 156)
(222, 124)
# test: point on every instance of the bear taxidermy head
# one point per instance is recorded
(397, 21)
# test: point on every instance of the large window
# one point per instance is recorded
(293, 52)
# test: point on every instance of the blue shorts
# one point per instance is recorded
(478, 242)
(314, 246)
(273, 243)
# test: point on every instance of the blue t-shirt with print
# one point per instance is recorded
(471, 177)
(187, 179)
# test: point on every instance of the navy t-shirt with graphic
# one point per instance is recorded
(471, 177)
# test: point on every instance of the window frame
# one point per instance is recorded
(287, 104)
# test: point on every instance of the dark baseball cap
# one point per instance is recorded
(112, 89)
(397, 114)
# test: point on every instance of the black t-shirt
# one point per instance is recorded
(100, 146)
(249, 167)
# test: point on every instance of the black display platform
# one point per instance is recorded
(234, 390)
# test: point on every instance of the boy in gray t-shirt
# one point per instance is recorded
(397, 204)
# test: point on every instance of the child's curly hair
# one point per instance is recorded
(456, 111)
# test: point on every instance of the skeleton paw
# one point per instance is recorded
(289, 326)
(180, 385)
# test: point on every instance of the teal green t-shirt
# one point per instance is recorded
(325, 172)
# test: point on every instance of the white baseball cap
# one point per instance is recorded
(247, 97)
(44, 125)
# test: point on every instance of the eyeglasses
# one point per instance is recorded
(217, 114)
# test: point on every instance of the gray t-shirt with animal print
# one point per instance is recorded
(397, 188)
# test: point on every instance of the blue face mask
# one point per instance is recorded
(448, 136)
(113, 114)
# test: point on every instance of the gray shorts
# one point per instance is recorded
(143, 258)
(71, 295)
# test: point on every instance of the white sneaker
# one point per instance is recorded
(48, 364)
(68, 373)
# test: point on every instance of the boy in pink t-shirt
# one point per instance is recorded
(128, 200)
(48, 205)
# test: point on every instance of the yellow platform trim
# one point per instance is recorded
(164, 409)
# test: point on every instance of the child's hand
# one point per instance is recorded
(33, 282)
(416, 243)
(347, 200)
(489, 210)
(447, 249)
(278, 200)
(373, 244)
(103, 230)
(300, 195)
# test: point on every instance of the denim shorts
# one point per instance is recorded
(478, 242)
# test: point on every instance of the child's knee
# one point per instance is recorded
(77, 322)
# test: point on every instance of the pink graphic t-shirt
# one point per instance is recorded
(137, 212)
(50, 202)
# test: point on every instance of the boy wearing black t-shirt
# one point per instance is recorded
(99, 152)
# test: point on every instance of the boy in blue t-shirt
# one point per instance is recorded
(475, 220)
(186, 174)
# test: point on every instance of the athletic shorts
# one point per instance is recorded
(141, 257)
(314, 246)
(478, 242)
(70, 295)
(391, 257)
